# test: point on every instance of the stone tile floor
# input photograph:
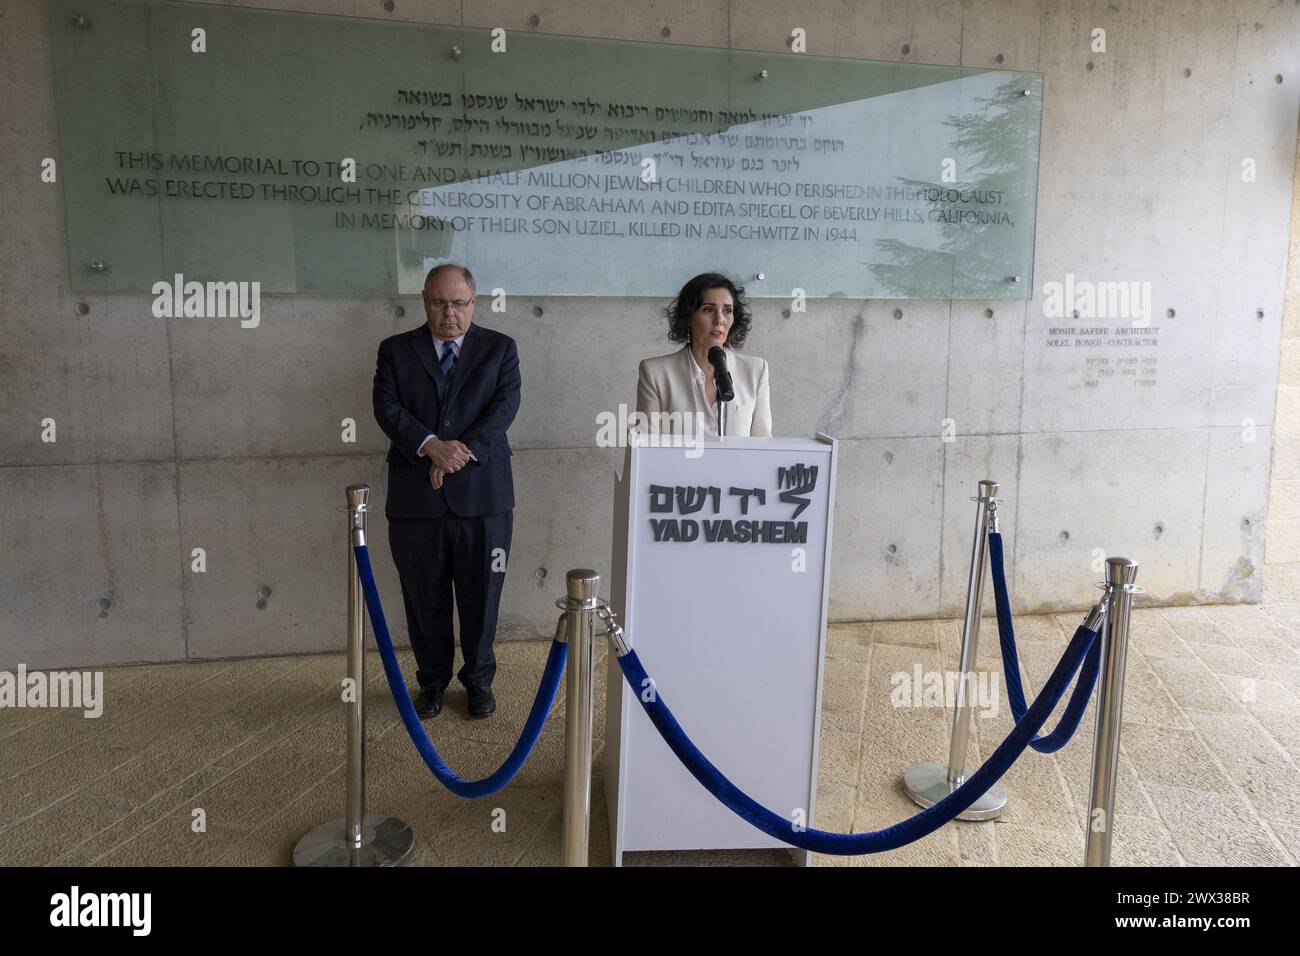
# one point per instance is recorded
(1210, 749)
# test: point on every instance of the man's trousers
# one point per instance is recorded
(436, 557)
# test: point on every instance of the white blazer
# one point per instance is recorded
(666, 384)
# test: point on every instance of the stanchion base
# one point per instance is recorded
(385, 841)
(927, 784)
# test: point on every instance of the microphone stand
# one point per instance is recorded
(717, 396)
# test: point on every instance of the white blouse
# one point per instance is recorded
(705, 414)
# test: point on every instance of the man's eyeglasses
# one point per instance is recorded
(458, 305)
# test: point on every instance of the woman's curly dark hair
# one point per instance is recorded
(690, 299)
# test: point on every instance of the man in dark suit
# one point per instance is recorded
(445, 394)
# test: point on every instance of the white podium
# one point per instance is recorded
(720, 579)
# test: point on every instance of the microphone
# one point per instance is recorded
(721, 377)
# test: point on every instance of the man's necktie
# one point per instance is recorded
(448, 359)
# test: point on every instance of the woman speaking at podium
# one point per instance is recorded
(711, 319)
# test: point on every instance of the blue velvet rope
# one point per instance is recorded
(446, 776)
(1073, 713)
(846, 844)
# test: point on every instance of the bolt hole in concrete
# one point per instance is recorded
(389, 5)
(988, 313)
(1160, 529)
(1245, 524)
(399, 311)
(537, 311)
(82, 309)
(1259, 313)
(1277, 78)
(534, 19)
(893, 549)
(785, 313)
(103, 604)
(1064, 536)
(1088, 66)
(1169, 313)
(999, 58)
(907, 48)
(898, 313)
(665, 32)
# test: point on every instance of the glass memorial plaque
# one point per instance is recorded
(321, 154)
(572, 214)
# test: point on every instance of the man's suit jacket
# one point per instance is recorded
(666, 384)
(413, 399)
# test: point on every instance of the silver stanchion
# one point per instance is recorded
(581, 602)
(1119, 588)
(356, 839)
(928, 783)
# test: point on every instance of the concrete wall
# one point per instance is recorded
(174, 435)
(1282, 547)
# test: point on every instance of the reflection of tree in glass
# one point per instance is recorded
(997, 146)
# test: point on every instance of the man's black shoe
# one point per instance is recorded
(481, 701)
(428, 703)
